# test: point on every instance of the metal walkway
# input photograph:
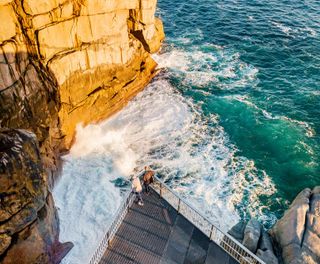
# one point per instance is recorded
(167, 230)
(156, 233)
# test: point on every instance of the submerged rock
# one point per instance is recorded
(29, 226)
(298, 231)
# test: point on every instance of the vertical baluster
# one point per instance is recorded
(211, 232)
(179, 202)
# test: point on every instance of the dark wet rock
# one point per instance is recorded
(267, 256)
(29, 227)
(237, 231)
(252, 234)
(265, 242)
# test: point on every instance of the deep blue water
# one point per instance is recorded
(256, 66)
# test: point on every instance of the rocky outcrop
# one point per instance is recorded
(63, 62)
(254, 238)
(29, 226)
(252, 234)
(297, 233)
(295, 237)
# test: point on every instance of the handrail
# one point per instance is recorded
(214, 233)
(111, 231)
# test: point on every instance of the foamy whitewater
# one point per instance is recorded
(231, 123)
(160, 128)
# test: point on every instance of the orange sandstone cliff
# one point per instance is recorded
(62, 62)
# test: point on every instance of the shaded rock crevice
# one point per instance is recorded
(29, 225)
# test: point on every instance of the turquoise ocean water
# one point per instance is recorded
(254, 66)
(231, 123)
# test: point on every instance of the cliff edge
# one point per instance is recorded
(29, 224)
(62, 62)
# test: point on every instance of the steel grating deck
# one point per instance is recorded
(157, 234)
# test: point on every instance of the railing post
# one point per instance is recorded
(225, 241)
(211, 232)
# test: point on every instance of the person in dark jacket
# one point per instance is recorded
(147, 178)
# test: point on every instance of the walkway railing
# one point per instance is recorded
(224, 240)
(118, 218)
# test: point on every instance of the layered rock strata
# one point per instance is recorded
(62, 62)
(29, 225)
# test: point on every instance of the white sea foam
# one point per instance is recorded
(208, 64)
(285, 29)
(291, 31)
(85, 198)
(162, 128)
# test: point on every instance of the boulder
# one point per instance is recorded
(265, 242)
(237, 231)
(298, 231)
(267, 256)
(252, 234)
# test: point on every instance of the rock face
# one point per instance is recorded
(252, 234)
(254, 238)
(29, 227)
(62, 62)
(68, 61)
(298, 232)
(296, 235)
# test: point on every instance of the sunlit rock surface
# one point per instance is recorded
(295, 236)
(65, 62)
(62, 62)
(297, 232)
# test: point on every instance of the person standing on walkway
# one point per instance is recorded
(147, 178)
(137, 189)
